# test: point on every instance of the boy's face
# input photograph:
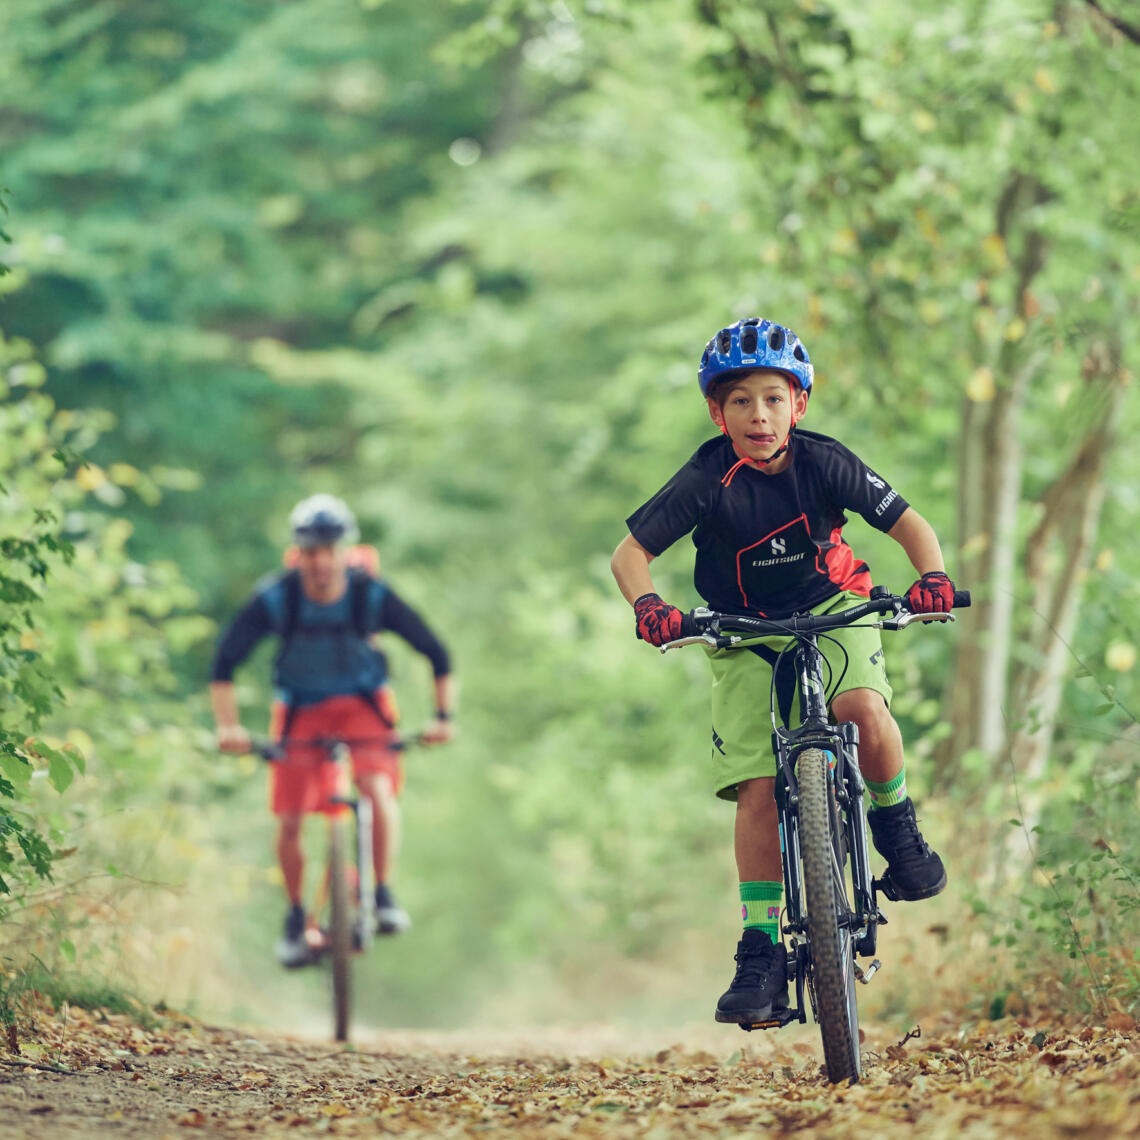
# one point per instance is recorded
(757, 412)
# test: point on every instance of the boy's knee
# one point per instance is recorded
(867, 709)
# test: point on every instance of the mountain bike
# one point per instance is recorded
(831, 910)
(346, 897)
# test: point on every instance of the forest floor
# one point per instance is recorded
(77, 1073)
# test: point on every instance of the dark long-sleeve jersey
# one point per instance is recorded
(328, 652)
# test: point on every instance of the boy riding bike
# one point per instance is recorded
(765, 502)
(329, 682)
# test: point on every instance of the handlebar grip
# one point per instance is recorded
(689, 626)
(961, 599)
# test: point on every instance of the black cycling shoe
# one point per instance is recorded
(761, 983)
(913, 871)
(391, 918)
(292, 949)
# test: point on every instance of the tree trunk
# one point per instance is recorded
(989, 493)
(1057, 556)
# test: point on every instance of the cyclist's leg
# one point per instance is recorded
(914, 870)
(856, 679)
(298, 787)
(291, 792)
(744, 770)
(290, 856)
(380, 790)
(756, 833)
(880, 741)
(379, 775)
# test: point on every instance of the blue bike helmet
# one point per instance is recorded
(755, 343)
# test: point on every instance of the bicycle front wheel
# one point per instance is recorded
(832, 974)
(340, 927)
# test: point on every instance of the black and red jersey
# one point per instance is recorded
(769, 544)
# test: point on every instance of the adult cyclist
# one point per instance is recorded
(329, 681)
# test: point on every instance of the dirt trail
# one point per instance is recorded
(182, 1079)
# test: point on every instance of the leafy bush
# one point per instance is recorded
(32, 457)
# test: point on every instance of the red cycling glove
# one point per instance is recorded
(657, 621)
(933, 593)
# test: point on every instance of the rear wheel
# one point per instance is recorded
(340, 931)
(832, 977)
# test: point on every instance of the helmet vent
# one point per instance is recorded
(798, 353)
(748, 342)
(776, 339)
(752, 321)
(724, 342)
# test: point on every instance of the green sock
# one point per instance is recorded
(760, 907)
(888, 794)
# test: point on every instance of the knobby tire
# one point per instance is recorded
(340, 923)
(832, 977)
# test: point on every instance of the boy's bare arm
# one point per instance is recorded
(916, 536)
(630, 566)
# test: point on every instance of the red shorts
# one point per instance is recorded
(304, 780)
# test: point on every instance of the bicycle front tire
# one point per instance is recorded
(340, 927)
(832, 976)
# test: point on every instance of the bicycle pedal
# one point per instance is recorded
(778, 1020)
(886, 888)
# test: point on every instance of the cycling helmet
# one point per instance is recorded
(755, 343)
(322, 520)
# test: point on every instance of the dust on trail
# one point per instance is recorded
(183, 1079)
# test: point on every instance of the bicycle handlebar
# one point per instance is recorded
(707, 627)
(274, 750)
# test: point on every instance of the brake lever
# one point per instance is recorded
(720, 641)
(905, 619)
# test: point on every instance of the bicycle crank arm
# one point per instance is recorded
(866, 975)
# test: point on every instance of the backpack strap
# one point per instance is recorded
(360, 587)
(290, 583)
(291, 606)
(360, 584)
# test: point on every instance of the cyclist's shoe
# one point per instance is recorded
(760, 987)
(292, 948)
(390, 917)
(913, 871)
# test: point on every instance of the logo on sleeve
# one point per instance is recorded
(874, 480)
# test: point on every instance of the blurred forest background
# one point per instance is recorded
(456, 261)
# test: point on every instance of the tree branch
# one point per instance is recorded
(1127, 30)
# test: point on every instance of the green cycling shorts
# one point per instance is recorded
(742, 679)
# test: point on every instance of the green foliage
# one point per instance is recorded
(31, 549)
